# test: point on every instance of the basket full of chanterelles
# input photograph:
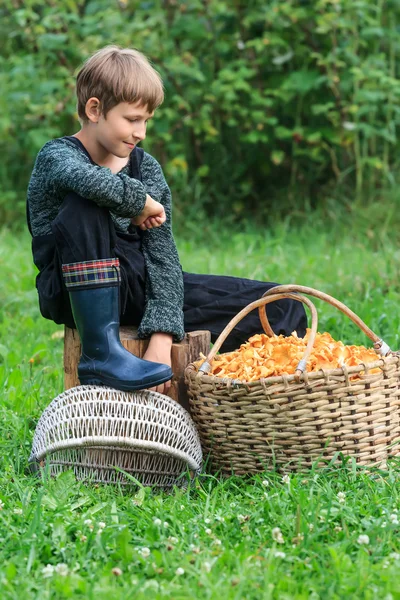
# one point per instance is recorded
(289, 402)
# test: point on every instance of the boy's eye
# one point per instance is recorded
(136, 120)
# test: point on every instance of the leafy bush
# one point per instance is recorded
(268, 104)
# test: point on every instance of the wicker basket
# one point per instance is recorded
(92, 430)
(292, 421)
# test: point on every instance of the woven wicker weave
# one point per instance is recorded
(293, 420)
(94, 429)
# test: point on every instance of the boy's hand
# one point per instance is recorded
(153, 222)
(152, 215)
(159, 350)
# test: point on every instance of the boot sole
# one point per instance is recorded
(90, 380)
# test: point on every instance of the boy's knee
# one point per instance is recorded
(83, 230)
(76, 208)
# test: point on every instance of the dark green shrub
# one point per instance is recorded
(269, 105)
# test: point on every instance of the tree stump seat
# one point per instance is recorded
(183, 353)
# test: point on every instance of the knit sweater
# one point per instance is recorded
(61, 166)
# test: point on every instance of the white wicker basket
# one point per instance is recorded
(92, 430)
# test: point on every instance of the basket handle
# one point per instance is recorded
(293, 291)
(260, 304)
(380, 346)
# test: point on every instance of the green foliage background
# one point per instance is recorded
(270, 105)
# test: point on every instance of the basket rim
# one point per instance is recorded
(193, 373)
(118, 443)
(119, 395)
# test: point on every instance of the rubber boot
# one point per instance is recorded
(104, 360)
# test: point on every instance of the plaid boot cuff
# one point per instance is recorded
(91, 273)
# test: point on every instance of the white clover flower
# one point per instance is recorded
(207, 520)
(183, 507)
(243, 518)
(157, 522)
(101, 525)
(232, 504)
(61, 569)
(116, 571)
(83, 538)
(48, 571)
(395, 556)
(217, 542)
(277, 535)
(383, 524)
(240, 44)
(310, 526)
(208, 531)
(166, 524)
(206, 566)
(17, 511)
(286, 479)
(180, 571)
(145, 552)
(363, 540)
(338, 528)
(173, 539)
(89, 524)
(341, 497)
(265, 483)
(394, 519)
(279, 554)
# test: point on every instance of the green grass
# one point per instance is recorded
(220, 532)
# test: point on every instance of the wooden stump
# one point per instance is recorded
(182, 354)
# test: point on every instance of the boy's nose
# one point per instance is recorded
(140, 132)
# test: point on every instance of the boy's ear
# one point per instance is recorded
(93, 109)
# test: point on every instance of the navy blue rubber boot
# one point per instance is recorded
(104, 360)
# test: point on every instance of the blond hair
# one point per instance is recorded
(115, 75)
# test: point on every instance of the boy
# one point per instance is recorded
(99, 211)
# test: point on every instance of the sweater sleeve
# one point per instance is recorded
(66, 168)
(164, 279)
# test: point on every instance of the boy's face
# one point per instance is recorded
(123, 128)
